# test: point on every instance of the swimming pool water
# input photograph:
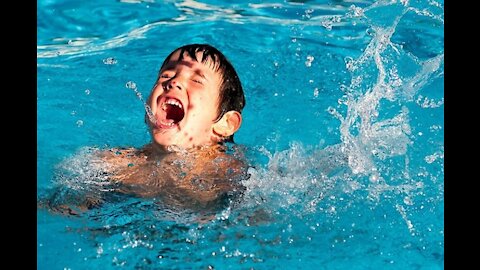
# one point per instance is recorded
(343, 124)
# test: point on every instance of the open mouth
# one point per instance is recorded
(170, 112)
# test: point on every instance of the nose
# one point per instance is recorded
(174, 83)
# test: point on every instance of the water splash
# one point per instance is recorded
(372, 139)
(375, 131)
(304, 180)
(133, 86)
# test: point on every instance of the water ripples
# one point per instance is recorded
(90, 35)
(349, 20)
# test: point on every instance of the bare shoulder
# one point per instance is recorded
(220, 162)
(215, 172)
(122, 162)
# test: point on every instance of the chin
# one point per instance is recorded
(169, 145)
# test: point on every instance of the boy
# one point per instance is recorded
(196, 106)
(197, 99)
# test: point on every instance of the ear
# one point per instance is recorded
(228, 124)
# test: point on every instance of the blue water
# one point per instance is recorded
(343, 125)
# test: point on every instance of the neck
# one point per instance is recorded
(157, 149)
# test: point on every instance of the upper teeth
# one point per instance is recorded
(174, 102)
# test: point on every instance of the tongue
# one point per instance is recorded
(174, 113)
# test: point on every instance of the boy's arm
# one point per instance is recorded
(82, 180)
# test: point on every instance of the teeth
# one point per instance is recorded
(168, 124)
(173, 102)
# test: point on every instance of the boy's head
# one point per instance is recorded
(197, 99)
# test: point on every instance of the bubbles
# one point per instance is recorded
(87, 92)
(79, 123)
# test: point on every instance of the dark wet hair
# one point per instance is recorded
(231, 95)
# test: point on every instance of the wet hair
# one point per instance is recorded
(231, 95)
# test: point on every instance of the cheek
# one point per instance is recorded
(156, 91)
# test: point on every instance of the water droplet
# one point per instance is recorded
(131, 85)
(374, 178)
(354, 11)
(370, 32)
(327, 24)
(79, 123)
(350, 63)
(109, 61)
(407, 201)
(87, 92)
(309, 61)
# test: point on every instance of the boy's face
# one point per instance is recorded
(185, 102)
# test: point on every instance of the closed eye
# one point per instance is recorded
(197, 81)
